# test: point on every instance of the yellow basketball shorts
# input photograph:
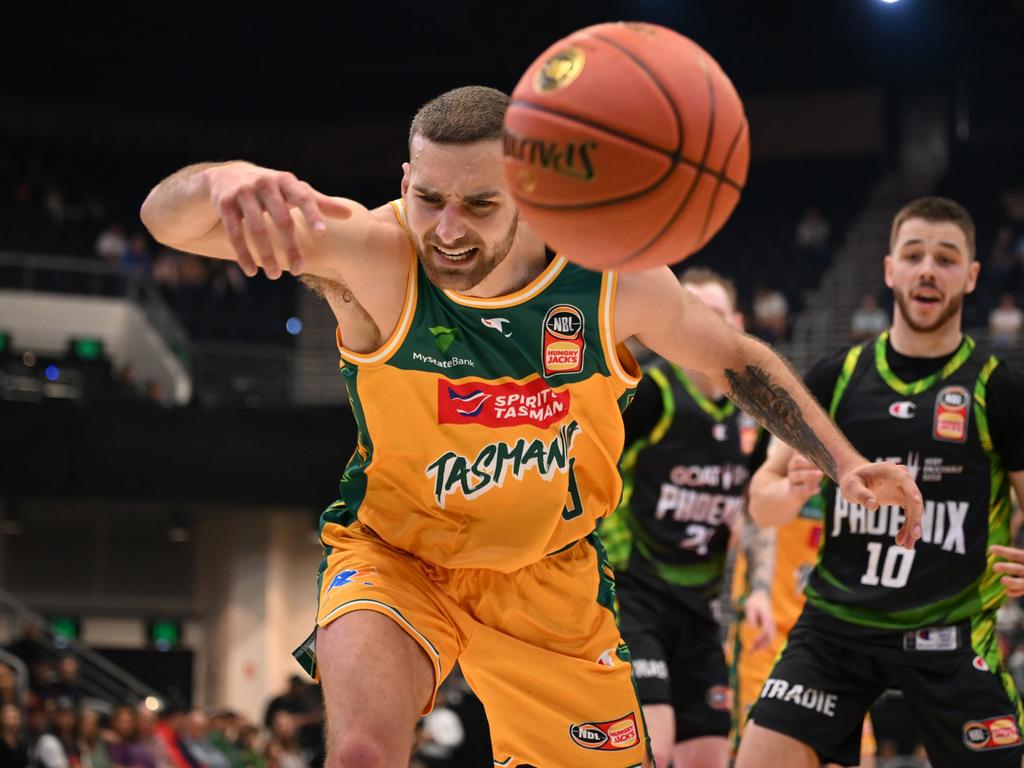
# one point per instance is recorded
(539, 646)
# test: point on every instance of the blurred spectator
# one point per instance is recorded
(771, 314)
(249, 752)
(111, 243)
(197, 744)
(92, 750)
(125, 750)
(145, 724)
(67, 685)
(868, 320)
(305, 704)
(811, 244)
(13, 747)
(58, 747)
(136, 256)
(169, 725)
(283, 749)
(9, 686)
(1005, 322)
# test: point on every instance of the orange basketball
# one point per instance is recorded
(626, 146)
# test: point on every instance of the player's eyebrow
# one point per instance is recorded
(945, 243)
(482, 194)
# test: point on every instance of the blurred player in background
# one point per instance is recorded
(920, 620)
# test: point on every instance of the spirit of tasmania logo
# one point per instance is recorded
(500, 405)
(473, 476)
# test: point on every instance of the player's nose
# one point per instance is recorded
(450, 227)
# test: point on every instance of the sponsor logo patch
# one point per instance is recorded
(952, 414)
(563, 342)
(932, 639)
(720, 432)
(903, 409)
(497, 323)
(443, 337)
(345, 578)
(994, 733)
(748, 434)
(610, 735)
(500, 405)
(719, 697)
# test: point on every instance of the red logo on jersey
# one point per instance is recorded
(563, 343)
(621, 733)
(500, 405)
(994, 733)
(952, 414)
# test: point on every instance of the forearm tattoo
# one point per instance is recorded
(769, 403)
(759, 546)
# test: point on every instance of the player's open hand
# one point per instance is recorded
(804, 478)
(1013, 571)
(886, 483)
(757, 612)
(252, 201)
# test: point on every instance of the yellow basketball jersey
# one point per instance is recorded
(489, 429)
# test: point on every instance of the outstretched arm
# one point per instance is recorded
(689, 334)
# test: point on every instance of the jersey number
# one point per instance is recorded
(573, 505)
(895, 569)
(697, 538)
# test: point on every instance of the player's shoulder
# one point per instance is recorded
(1006, 379)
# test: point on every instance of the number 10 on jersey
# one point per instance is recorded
(895, 569)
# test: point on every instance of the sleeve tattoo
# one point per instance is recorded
(769, 403)
(759, 547)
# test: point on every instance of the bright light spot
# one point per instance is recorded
(152, 703)
(890, 2)
(293, 326)
(52, 372)
(29, 359)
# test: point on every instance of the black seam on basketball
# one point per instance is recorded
(611, 132)
(696, 179)
(680, 136)
(675, 158)
(714, 193)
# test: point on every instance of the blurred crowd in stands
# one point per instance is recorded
(52, 718)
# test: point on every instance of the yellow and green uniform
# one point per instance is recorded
(489, 432)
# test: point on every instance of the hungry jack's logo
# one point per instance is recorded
(563, 341)
(620, 733)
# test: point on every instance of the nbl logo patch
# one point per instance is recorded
(607, 736)
(994, 733)
(952, 415)
(563, 343)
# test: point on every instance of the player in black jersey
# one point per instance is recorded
(878, 616)
(686, 466)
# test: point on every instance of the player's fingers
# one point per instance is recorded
(231, 216)
(303, 197)
(1014, 569)
(1010, 553)
(799, 461)
(913, 507)
(274, 203)
(334, 207)
(1014, 585)
(854, 489)
(252, 215)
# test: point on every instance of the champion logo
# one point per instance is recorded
(902, 409)
(497, 323)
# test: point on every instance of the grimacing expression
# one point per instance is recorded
(929, 271)
(462, 219)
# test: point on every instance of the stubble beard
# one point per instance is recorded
(485, 262)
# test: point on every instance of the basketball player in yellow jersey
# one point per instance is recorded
(785, 556)
(486, 378)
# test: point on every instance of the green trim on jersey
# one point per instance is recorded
(615, 530)
(849, 364)
(985, 643)
(716, 412)
(353, 483)
(921, 385)
(991, 588)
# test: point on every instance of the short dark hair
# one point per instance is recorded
(935, 209)
(461, 116)
(705, 276)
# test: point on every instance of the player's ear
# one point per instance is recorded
(887, 267)
(405, 178)
(972, 275)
